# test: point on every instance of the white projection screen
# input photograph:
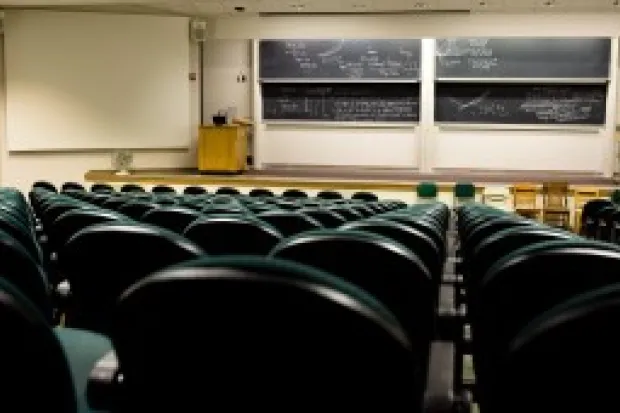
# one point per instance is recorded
(80, 81)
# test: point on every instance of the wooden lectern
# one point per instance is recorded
(222, 148)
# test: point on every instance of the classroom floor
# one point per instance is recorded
(335, 177)
(416, 176)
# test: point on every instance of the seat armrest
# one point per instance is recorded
(103, 383)
(440, 396)
(450, 317)
(452, 270)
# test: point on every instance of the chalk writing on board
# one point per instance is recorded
(534, 58)
(521, 104)
(479, 54)
(560, 105)
(340, 59)
(343, 103)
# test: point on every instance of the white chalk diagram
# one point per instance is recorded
(478, 106)
(354, 69)
(450, 53)
(562, 106)
(297, 50)
(545, 105)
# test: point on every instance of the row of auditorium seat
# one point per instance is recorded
(340, 309)
(44, 368)
(343, 314)
(198, 190)
(543, 306)
(221, 225)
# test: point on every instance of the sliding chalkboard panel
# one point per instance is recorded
(523, 58)
(348, 102)
(521, 104)
(340, 59)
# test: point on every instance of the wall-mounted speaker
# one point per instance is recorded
(198, 30)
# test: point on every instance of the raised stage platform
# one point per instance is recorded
(335, 178)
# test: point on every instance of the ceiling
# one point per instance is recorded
(216, 7)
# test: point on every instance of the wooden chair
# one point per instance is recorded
(555, 204)
(583, 194)
(525, 200)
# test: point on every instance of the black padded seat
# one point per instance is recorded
(136, 209)
(26, 274)
(379, 265)
(428, 228)
(346, 212)
(504, 242)
(72, 186)
(132, 188)
(176, 219)
(588, 213)
(416, 241)
(261, 193)
(565, 360)
(481, 232)
(163, 189)
(114, 203)
(44, 185)
(233, 234)
(365, 196)
(322, 340)
(35, 373)
(194, 190)
(71, 222)
(294, 193)
(527, 283)
(227, 190)
(328, 219)
(102, 260)
(329, 195)
(101, 187)
(289, 223)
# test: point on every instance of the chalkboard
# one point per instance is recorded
(340, 59)
(347, 102)
(521, 104)
(523, 58)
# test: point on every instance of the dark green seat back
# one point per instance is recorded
(230, 234)
(530, 281)
(35, 375)
(570, 350)
(241, 317)
(102, 260)
(379, 265)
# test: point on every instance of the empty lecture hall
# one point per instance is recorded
(211, 205)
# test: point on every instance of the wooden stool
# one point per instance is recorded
(555, 204)
(524, 198)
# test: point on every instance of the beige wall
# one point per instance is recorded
(227, 55)
(416, 26)
(225, 62)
